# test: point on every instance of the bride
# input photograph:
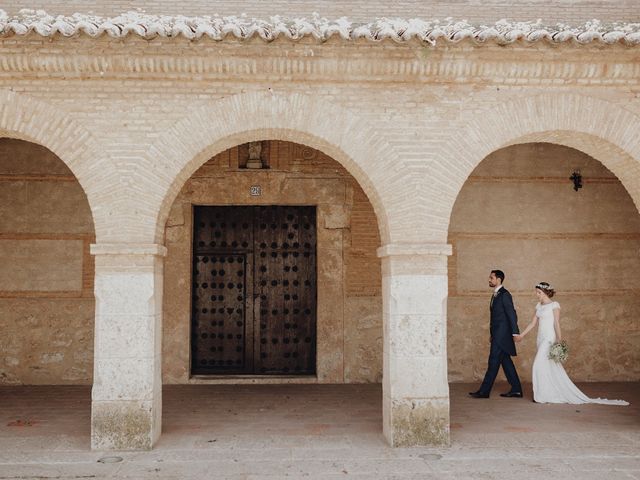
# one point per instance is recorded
(551, 384)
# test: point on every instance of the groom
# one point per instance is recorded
(503, 328)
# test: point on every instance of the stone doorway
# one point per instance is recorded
(254, 290)
(347, 345)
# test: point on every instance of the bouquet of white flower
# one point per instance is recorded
(559, 352)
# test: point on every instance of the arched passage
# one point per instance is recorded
(178, 153)
(47, 306)
(35, 121)
(605, 137)
(519, 212)
(55, 168)
(332, 132)
(331, 129)
(605, 131)
(345, 280)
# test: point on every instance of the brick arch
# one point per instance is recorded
(213, 128)
(34, 121)
(603, 130)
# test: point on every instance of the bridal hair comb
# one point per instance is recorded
(544, 286)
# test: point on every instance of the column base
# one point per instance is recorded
(122, 425)
(418, 422)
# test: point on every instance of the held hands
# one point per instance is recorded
(518, 338)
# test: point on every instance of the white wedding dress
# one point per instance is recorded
(551, 384)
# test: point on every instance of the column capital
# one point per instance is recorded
(124, 248)
(414, 258)
(414, 249)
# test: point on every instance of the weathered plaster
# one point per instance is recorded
(46, 272)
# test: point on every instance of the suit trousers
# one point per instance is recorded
(498, 357)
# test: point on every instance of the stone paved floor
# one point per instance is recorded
(311, 431)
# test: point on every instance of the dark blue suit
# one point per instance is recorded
(504, 324)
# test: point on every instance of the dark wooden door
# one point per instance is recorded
(254, 290)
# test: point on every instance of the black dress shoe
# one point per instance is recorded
(473, 393)
(479, 395)
(512, 394)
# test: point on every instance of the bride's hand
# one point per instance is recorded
(517, 338)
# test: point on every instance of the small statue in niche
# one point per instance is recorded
(255, 150)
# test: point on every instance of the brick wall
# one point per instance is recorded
(384, 135)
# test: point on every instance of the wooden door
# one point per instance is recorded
(254, 290)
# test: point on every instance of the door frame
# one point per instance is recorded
(303, 378)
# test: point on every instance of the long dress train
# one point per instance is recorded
(551, 384)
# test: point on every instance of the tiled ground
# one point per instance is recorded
(330, 431)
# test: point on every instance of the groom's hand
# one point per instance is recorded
(517, 338)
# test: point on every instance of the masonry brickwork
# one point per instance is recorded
(134, 119)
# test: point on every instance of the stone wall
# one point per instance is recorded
(518, 212)
(349, 278)
(46, 272)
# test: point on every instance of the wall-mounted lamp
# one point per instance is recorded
(576, 178)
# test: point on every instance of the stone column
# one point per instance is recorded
(415, 388)
(126, 407)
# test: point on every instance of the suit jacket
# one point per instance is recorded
(504, 321)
